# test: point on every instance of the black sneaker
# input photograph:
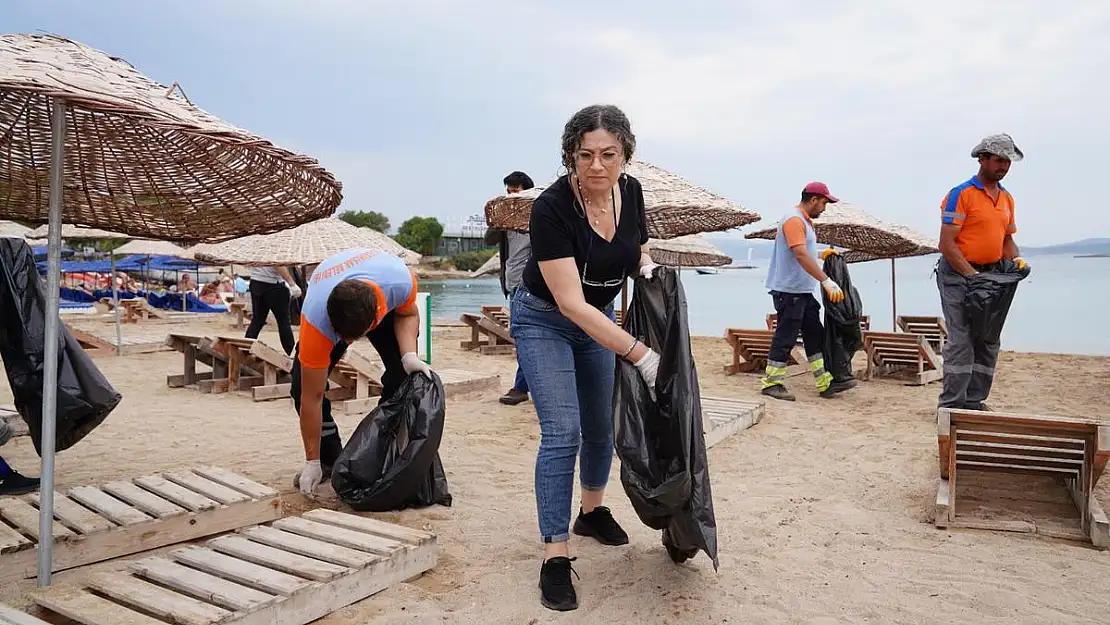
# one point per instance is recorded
(600, 524)
(838, 387)
(778, 391)
(556, 587)
(514, 397)
(13, 483)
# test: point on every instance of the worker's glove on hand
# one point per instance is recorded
(1021, 264)
(647, 271)
(310, 478)
(648, 366)
(829, 252)
(413, 364)
(832, 289)
(295, 291)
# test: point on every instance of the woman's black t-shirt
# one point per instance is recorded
(559, 229)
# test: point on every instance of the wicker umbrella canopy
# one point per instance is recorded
(674, 206)
(850, 227)
(138, 157)
(148, 247)
(69, 231)
(857, 256)
(687, 251)
(491, 266)
(304, 245)
(12, 229)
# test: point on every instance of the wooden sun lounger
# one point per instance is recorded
(750, 349)
(900, 353)
(773, 318)
(1073, 450)
(486, 335)
(292, 571)
(125, 517)
(932, 328)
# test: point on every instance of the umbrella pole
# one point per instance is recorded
(115, 307)
(893, 297)
(50, 364)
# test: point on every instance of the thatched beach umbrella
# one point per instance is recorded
(687, 251)
(866, 237)
(308, 244)
(89, 140)
(12, 229)
(674, 206)
(147, 247)
(490, 267)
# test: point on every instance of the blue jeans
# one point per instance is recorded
(520, 383)
(572, 389)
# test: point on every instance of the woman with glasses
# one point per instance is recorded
(588, 236)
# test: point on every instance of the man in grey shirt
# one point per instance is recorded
(515, 249)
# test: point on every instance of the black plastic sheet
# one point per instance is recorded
(85, 398)
(843, 335)
(661, 444)
(988, 299)
(391, 461)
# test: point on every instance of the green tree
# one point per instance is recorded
(420, 234)
(366, 219)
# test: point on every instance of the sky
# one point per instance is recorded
(421, 107)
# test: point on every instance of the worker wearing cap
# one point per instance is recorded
(792, 279)
(976, 234)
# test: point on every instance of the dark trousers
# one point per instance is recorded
(968, 359)
(266, 298)
(384, 340)
(797, 312)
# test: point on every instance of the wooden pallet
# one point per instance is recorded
(137, 339)
(722, 417)
(124, 517)
(289, 572)
(11, 616)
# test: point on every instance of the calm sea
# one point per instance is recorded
(1060, 308)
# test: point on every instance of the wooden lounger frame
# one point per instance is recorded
(932, 328)
(749, 353)
(891, 353)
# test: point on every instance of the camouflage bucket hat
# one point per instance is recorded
(999, 145)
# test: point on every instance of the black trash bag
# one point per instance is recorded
(391, 461)
(988, 298)
(661, 444)
(85, 398)
(843, 335)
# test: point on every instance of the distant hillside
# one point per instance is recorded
(1085, 246)
(761, 250)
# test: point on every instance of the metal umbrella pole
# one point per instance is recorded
(50, 366)
(115, 304)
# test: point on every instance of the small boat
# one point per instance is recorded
(707, 271)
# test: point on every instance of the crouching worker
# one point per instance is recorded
(352, 294)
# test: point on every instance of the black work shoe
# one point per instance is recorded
(778, 391)
(600, 524)
(977, 406)
(838, 387)
(15, 484)
(556, 587)
(513, 397)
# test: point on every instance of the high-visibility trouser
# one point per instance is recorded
(776, 373)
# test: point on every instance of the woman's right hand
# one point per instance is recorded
(648, 366)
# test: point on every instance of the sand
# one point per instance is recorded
(824, 509)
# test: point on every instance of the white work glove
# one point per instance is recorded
(648, 366)
(646, 271)
(832, 289)
(310, 478)
(295, 291)
(413, 364)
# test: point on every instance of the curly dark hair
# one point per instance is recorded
(597, 117)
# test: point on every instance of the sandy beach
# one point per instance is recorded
(824, 509)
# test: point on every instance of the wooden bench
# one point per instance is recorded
(194, 349)
(1070, 449)
(932, 328)
(486, 335)
(750, 349)
(292, 571)
(240, 311)
(97, 523)
(899, 353)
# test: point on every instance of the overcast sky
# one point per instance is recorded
(422, 106)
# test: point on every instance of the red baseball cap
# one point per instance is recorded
(820, 188)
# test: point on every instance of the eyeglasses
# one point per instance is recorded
(605, 284)
(609, 157)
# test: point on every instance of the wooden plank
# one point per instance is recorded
(156, 600)
(181, 380)
(75, 516)
(107, 506)
(1099, 524)
(232, 480)
(89, 609)
(277, 559)
(239, 571)
(25, 518)
(943, 508)
(277, 358)
(310, 547)
(180, 495)
(212, 490)
(275, 391)
(11, 616)
(143, 500)
(200, 585)
(367, 525)
(338, 536)
(11, 540)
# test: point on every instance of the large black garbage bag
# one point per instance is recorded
(392, 460)
(988, 298)
(661, 444)
(843, 336)
(85, 398)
